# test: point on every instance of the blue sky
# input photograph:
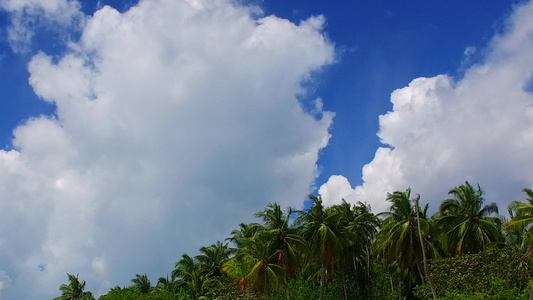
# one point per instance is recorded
(133, 119)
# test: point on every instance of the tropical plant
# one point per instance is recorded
(398, 241)
(164, 284)
(469, 226)
(321, 229)
(192, 277)
(74, 290)
(142, 283)
(239, 237)
(213, 258)
(520, 225)
(239, 269)
(284, 238)
(265, 275)
(521, 220)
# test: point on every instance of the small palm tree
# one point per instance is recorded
(142, 283)
(74, 290)
(469, 225)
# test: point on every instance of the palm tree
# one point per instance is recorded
(213, 258)
(323, 233)
(284, 238)
(192, 277)
(469, 226)
(265, 274)
(164, 284)
(360, 226)
(245, 232)
(398, 240)
(142, 283)
(74, 290)
(522, 218)
(239, 270)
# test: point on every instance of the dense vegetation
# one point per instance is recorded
(466, 250)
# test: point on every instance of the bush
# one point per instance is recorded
(500, 273)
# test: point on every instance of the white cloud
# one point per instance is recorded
(27, 14)
(442, 132)
(175, 120)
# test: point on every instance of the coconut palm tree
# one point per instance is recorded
(360, 226)
(284, 238)
(245, 232)
(74, 290)
(265, 275)
(321, 229)
(469, 226)
(213, 258)
(142, 283)
(239, 270)
(398, 241)
(164, 284)
(522, 218)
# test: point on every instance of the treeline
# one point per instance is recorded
(466, 250)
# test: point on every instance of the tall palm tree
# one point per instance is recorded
(74, 290)
(398, 240)
(213, 258)
(321, 229)
(284, 238)
(469, 225)
(142, 283)
(360, 226)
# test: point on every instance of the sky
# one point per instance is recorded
(135, 131)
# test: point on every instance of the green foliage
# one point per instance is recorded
(74, 290)
(135, 294)
(469, 226)
(493, 273)
(301, 289)
(384, 284)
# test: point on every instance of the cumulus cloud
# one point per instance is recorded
(442, 131)
(26, 15)
(175, 120)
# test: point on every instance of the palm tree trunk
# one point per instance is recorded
(287, 291)
(419, 268)
(367, 262)
(424, 250)
(531, 293)
(344, 284)
(354, 264)
(322, 271)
